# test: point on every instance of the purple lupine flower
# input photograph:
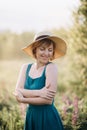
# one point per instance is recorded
(75, 111)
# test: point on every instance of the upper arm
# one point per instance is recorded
(22, 76)
(51, 76)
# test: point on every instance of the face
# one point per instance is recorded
(44, 53)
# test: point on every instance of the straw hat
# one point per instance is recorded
(60, 44)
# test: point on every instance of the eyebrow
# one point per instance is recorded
(45, 47)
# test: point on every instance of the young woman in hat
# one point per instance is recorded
(37, 83)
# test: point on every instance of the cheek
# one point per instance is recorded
(38, 53)
(51, 53)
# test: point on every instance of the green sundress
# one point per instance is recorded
(40, 117)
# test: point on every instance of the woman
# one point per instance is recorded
(37, 83)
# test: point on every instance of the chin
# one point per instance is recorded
(45, 61)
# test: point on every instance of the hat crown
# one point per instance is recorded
(42, 34)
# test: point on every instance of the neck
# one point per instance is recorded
(38, 65)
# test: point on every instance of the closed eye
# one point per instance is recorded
(50, 50)
(42, 48)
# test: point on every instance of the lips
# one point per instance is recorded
(45, 58)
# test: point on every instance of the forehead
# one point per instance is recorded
(46, 45)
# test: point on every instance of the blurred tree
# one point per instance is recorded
(79, 34)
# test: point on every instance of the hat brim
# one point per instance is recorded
(60, 46)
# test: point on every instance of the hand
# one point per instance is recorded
(18, 95)
(47, 93)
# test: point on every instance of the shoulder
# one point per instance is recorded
(24, 67)
(52, 68)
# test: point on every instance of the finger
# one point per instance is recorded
(52, 91)
(49, 98)
(47, 86)
(15, 94)
(50, 94)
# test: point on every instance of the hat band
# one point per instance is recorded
(43, 36)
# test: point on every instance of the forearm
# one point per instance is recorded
(42, 96)
(36, 101)
(30, 93)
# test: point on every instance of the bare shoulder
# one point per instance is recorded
(24, 67)
(51, 67)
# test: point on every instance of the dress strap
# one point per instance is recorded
(44, 72)
(28, 69)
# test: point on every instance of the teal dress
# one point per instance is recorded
(40, 117)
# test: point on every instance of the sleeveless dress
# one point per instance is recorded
(40, 117)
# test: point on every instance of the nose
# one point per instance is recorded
(46, 52)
